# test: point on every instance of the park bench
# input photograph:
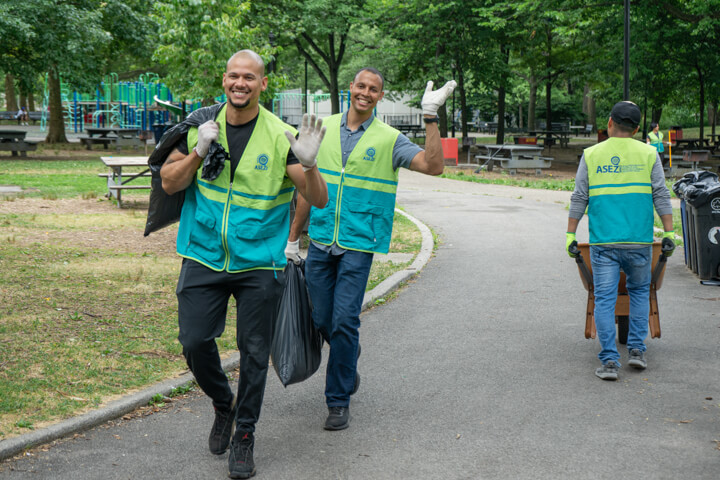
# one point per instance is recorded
(35, 117)
(588, 130)
(22, 146)
(104, 141)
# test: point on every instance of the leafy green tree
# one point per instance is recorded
(318, 30)
(67, 40)
(197, 38)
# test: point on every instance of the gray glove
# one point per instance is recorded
(207, 133)
(308, 142)
(432, 100)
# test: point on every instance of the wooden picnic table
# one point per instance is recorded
(14, 141)
(692, 143)
(513, 157)
(549, 136)
(117, 136)
(117, 181)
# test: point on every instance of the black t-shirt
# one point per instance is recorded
(238, 137)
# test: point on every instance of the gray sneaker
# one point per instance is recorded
(637, 359)
(609, 371)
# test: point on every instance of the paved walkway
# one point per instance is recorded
(478, 369)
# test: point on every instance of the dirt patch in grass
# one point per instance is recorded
(126, 237)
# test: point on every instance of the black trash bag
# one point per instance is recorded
(296, 348)
(165, 209)
(700, 193)
(691, 178)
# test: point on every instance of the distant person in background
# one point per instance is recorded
(655, 138)
(22, 116)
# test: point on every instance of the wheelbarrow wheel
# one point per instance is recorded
(623, 324)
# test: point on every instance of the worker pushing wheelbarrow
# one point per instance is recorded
(622, 306)
(620, 185)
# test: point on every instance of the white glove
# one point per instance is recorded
(307, 144)
(292, 251)
(432, 100)
(207, 133)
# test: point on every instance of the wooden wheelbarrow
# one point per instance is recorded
(622, 307)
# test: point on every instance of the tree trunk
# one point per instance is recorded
(31, 102)
(500, 137)
(463, 104)
(56, 130)
(334, 91)
(532, 102)
(701, 80)
(548, 105)
(443, 121)
(520, 117)
(591, 112)
(548, 83)
(10, 100)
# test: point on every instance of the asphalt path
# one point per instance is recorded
(479, 369)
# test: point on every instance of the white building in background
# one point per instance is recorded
(289, 104)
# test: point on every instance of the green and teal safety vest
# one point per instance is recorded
(361, 196)
(242, 225)
(620, 207)
(656, 140)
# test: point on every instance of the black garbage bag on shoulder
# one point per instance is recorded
(296, 348)
(165, 209)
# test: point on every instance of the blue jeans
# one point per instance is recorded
(606, 264)
(336, 284)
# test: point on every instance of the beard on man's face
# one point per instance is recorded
(239, 105)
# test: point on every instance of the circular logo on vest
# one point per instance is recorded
(262, 161)
(715, 204)
(615, 160)
(369, 154)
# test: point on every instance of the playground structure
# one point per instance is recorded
(114, 103)
(147, 103)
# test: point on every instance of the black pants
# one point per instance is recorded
(203, 296)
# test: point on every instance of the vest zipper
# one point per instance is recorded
(336, 233)
(225, 219)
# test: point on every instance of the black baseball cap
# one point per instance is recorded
(626, 114)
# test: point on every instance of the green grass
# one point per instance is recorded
(543, 184)
(58, 179)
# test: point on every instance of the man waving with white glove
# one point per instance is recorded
(359, 159)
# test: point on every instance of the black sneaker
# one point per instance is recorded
(338, 418)
(222, 430)
(240, 460)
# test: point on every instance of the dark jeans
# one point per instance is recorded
(203, 296)
(336, 284)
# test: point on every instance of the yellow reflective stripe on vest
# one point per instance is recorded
(621, 188)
